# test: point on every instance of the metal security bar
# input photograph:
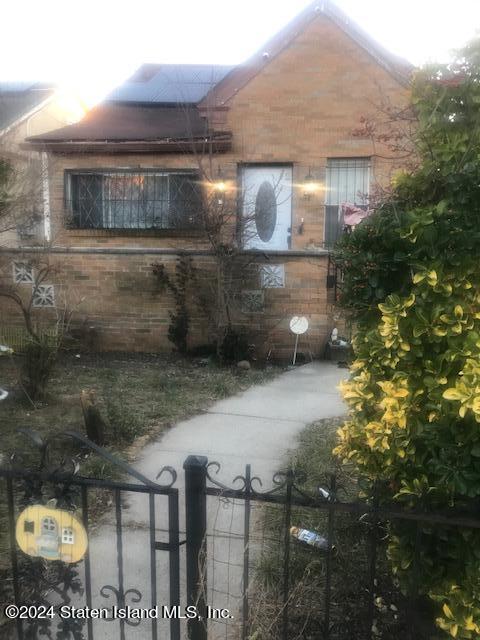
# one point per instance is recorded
(347, 180)
(150, 199)
(334, 278)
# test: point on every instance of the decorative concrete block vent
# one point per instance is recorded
(22, 273)
(253, 301)
(272, 276)
(44, 296)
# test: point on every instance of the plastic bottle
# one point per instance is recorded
(309, 538)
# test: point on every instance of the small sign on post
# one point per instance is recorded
(298, 326)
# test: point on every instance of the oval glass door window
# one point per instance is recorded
(265, 211)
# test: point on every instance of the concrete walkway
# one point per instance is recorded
(258, 427)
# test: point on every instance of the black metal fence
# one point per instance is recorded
(231, 555)
(290, 590)
(41, 587)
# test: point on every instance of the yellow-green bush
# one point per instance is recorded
(412, 285)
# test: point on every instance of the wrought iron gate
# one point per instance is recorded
(133, 562)
(50, 593)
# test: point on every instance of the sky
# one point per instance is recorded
(91, 46)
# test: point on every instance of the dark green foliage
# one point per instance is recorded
(39, 358)
(203, 351)
(433, 212)
(178, 329)
(235, 346)
(178, 285)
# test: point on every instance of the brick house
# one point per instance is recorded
(124, 181)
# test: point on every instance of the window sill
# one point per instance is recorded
(137, 233)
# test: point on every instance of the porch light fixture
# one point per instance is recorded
(220, 187)
(309, 185)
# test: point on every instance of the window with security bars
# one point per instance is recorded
(347, 181)
(133, 200)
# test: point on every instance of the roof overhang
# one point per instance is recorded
(219, 143)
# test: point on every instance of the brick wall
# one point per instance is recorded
(118, 304)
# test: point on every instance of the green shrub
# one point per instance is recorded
(178, 329)
(234, 346)
(412, 285)
(39, 359)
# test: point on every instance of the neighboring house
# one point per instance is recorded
(29, 109)
(124, 180)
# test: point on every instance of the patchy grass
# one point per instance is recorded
(313, 463)
(138, 395)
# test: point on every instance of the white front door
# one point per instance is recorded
(267, 207)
